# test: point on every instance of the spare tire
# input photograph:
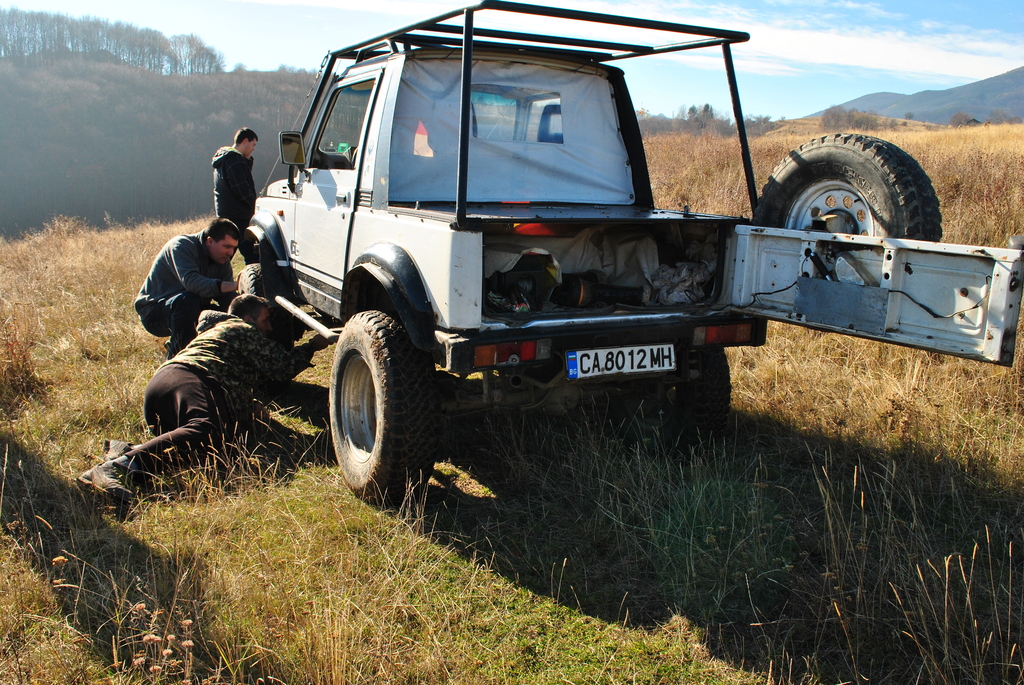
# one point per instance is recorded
(850, 183)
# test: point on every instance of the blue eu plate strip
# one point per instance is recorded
(570, 363)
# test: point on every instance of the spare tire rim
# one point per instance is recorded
(834, 206)
(358, 408)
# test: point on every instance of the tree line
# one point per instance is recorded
(702, 120)
(996, 116)
(838, 118)
(43, 38)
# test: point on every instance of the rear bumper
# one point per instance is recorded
(457, 348)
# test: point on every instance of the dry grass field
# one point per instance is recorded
(860, 522)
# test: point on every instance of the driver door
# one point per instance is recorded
(326, 194)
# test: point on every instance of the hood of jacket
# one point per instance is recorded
(223, 153)
(210, 318)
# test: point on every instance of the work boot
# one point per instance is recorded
(108, 477)
(112, 449)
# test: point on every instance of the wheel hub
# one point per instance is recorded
(837, 204)
(358, 408)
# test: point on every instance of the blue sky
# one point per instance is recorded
(803, 56)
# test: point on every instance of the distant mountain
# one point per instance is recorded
(978, 99)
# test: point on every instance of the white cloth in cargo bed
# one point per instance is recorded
(585, 161)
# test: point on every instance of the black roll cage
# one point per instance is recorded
(433, 33)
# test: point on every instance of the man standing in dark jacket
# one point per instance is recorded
(234, 193)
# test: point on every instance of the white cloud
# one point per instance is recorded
(412, 9)
(795, 36)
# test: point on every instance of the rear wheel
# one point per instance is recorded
(384, 409)
(703, 403)
(852, 184)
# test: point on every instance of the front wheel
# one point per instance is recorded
(384, 409)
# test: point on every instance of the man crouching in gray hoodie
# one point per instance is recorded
(190, 273)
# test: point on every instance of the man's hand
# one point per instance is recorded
(229, 286)
(260, 414)
(318, 342)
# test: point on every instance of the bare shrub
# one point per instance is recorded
(61, 227)
(960, 119)
(18, 377)
(838, 119)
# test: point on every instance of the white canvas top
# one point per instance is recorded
(540, 134)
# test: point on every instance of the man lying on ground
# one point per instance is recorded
(203, 397)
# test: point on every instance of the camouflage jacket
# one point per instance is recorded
(237, 355)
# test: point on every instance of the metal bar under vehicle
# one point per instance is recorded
(332, 336)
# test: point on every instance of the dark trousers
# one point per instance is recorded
(250, 254)
(177, 317)
(247, 248)
(188, 416)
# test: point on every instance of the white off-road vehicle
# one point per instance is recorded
(472, 207)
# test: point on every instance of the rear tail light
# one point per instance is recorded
(728, 334)
(510, 354)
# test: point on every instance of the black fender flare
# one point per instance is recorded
(278, 276)
(265, 227)
(393, 268)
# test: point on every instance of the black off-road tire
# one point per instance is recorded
(384, 409)
(873, 186)
(250, 282)
(703, 403)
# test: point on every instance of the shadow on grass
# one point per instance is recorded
(111, 585)
(126, 595)
(800, 552)
(305, 403)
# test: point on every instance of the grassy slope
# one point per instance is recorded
(859, 520)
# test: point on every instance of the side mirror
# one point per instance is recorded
(292, 152)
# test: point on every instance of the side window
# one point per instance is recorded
(340, 136)
(513, 113)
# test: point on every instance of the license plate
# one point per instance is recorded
(612, 360)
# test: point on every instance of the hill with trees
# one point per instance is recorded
(42, 38)
(112, 123)
(999, 99)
